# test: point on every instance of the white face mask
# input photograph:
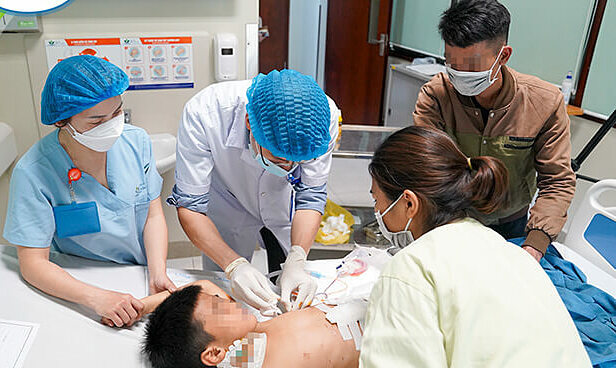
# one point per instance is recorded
(102, 137)
(472, 83)
(399, 239)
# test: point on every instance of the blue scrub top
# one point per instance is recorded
(40, 182)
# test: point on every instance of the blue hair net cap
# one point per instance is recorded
(78, 83)
(289, 115)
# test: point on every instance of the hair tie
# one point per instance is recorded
(468, 159)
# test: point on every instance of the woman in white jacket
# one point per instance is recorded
(459, 295)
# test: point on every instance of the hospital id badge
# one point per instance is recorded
(76, 219)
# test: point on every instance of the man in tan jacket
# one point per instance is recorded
(490, 109)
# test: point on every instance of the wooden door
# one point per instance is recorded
(354, 68)
(274, 50)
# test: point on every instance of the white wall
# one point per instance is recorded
(23, 65)
(16, 105)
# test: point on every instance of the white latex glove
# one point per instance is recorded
(294, 277)
(251, 286)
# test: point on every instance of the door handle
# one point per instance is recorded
(373, 26)
(263, 33)
(382, 43)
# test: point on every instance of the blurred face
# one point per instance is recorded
(478, 57)
(97, 114)
(224, 319)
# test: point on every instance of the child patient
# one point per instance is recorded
(196, 325)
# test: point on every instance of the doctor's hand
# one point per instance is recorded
(293, 278)
(252, 287)
(117, 308)
(160, 282)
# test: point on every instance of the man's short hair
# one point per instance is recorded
(468, 22)
(173, 338)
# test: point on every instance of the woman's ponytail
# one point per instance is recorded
(449, 185)
(489, 184)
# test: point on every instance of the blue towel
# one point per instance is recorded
(593, 311)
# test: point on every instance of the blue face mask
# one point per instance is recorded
(269, 166)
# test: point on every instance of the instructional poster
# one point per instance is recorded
(105, 48)
(149, 62)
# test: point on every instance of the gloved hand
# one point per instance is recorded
(251, 286)
(294, 277)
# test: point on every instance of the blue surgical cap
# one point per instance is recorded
(78, 83)
(289, 115)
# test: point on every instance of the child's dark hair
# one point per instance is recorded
(173, 338)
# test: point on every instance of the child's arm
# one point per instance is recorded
(152, 301)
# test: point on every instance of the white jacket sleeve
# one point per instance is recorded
(402, 328)
(194, 165)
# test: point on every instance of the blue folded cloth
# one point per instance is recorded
(593, 311)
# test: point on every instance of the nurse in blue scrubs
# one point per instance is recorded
(110, 209)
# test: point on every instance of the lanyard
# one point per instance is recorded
(74, 174)
(293, 181)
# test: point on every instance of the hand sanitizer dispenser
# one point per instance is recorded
(225, 57)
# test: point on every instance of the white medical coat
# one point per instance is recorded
(213, 157)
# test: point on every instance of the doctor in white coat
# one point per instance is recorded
(253, 159)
